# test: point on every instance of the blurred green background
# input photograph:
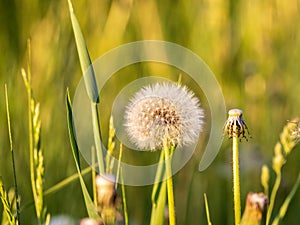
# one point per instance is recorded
(253, 48)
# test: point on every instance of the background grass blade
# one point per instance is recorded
(7, 210)
(90, 84)
(158, 207)
(159, 193)
(286, 203)
(12, 155)
(92, 212)
(84, 58)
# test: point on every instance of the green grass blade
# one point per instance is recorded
(125, 211)
(158, 208)
(90, 83)
(158, 176)
(66, 181)
(72, 134)
(97, 137)
(84, 58)
(12, 155)
(92, 212)
(286, 202)
(6, 205)
(159, 193)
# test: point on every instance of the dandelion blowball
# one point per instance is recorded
(160, 110)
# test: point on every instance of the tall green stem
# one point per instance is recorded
(159, 191)
(27, 81)
(273, 196)
(97, 137)
(236, 178)
(12, 156)
(171, 203)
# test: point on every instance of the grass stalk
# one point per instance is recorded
(158, 196)
(94, 177)
(158, 175)
(7, 209)
(92, 211)
(286, 203)
(119, 166)
(97, 137)
(66, 181)
(27, 81)
(12, 156)
(273, 196)
(207, 210)
(236, 177)
(126, 220)
(90, 83)
(169, 180)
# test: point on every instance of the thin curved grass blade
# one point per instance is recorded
(92, 212)
(286, 202)
(84, 58)
(159, 195)
(90, 83)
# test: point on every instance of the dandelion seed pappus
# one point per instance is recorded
(163, 109)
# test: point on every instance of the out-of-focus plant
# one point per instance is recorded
(9, 209)
(35, 151)
(287, 141)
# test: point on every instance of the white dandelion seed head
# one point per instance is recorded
(160, 110)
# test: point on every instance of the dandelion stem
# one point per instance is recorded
(235, 127)
(169, 180)
(236, 177)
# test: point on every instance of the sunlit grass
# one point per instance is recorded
(256, 43)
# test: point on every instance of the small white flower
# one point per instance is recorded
(160, 110)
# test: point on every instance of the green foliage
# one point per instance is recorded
(253, 47)
(281, 151)
(8, 213)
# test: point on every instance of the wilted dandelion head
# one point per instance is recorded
(163, 110)
(235, 125)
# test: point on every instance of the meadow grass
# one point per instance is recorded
(253, 48)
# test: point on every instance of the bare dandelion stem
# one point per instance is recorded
(236, 178)
(235, 127)
(170, 191)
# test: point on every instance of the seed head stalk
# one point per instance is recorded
(170, 191)
(236, 178)
(235, 127)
